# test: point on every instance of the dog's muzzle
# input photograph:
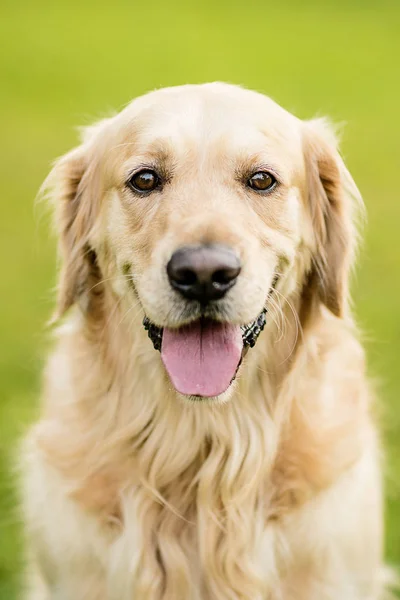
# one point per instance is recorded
(202, 358)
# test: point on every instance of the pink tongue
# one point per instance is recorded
(202, 358)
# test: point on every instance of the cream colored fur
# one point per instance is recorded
(270, 492)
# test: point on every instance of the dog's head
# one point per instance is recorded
(202, 202)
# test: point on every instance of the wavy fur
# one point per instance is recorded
(272, 492)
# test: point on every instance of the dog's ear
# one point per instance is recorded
(334, 202)
(73, 189)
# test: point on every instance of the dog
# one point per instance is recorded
(206, 430)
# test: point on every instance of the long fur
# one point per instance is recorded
(272, 493)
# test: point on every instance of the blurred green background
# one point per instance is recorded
(66, 63)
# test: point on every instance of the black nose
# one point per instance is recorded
(203, 273)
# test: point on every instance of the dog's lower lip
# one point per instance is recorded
(250, 332)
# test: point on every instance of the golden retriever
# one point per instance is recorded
(206, 431)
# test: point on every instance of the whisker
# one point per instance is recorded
(281, 324)
(109, 279)
(299, 329)
(127, 313)
(276, 315)
(135, 303)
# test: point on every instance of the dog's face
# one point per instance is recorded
(201, 202)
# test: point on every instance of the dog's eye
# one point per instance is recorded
(144, 181)
(262, 181)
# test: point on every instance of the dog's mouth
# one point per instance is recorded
(202, 359)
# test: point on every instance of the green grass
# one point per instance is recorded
(65, 63)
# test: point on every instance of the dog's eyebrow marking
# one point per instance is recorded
(160, 151)
(158, 155)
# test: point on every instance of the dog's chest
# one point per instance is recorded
(202, 534)
(203, 554)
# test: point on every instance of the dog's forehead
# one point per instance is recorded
(210, 114)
